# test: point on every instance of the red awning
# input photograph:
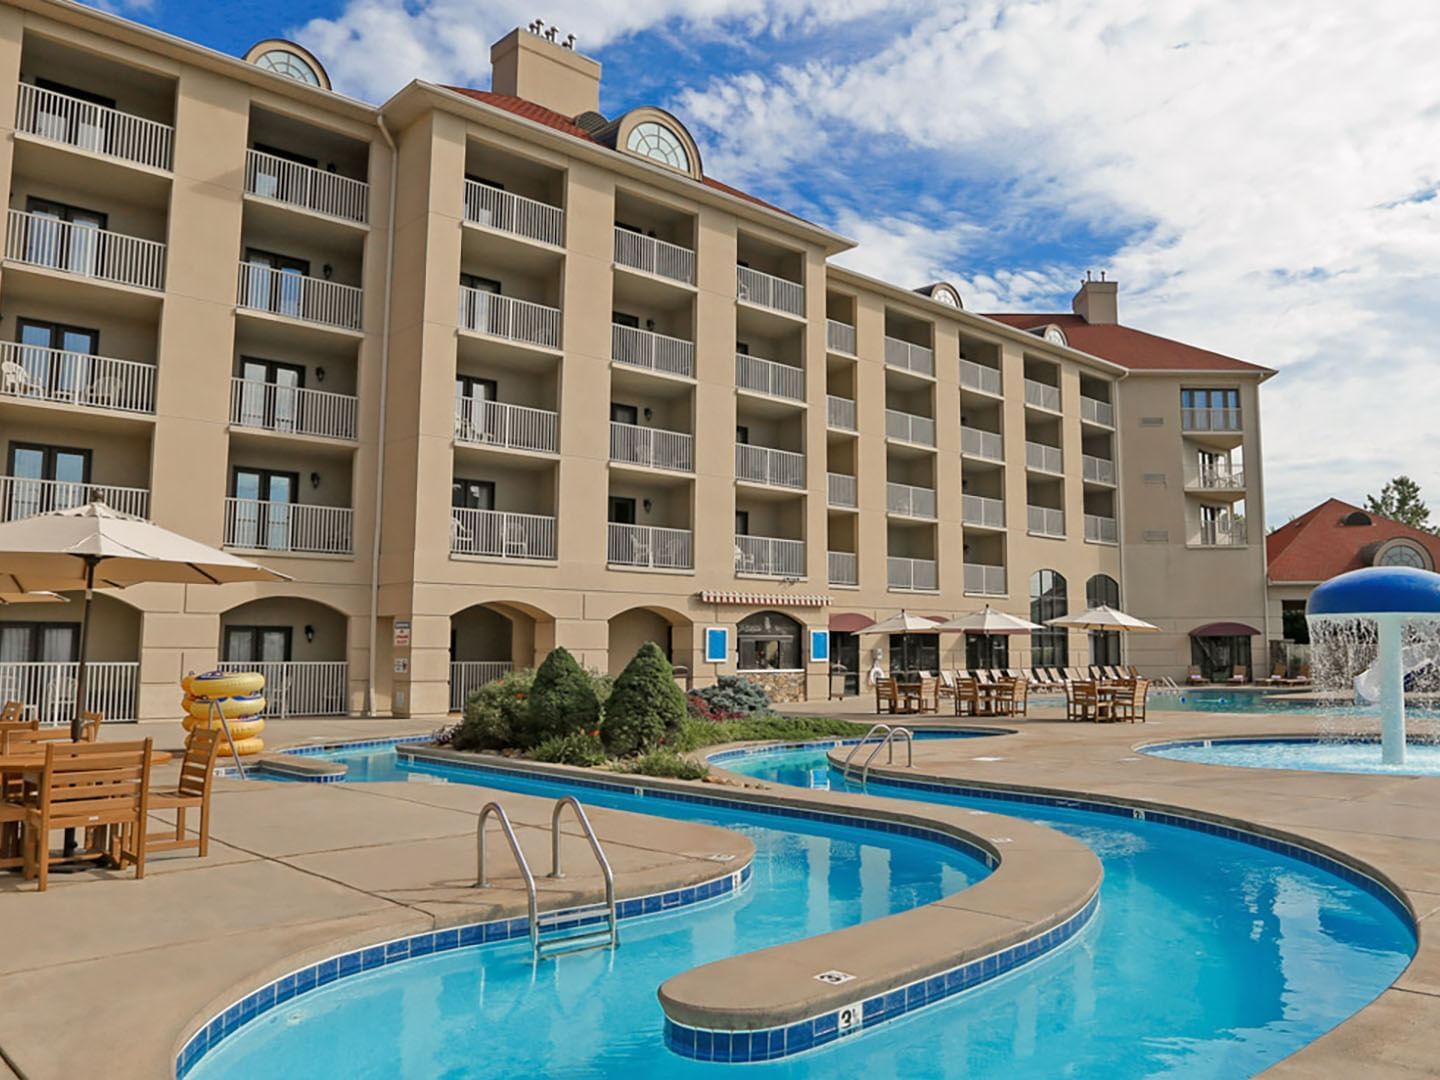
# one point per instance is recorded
(849, 622)
(1224, 629)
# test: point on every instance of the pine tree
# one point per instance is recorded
(1400, 501)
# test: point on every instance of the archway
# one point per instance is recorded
(491, 638)
(630, 629)
(301, 646)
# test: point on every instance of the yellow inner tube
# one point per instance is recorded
(213, 684)
(243, 747)
(239, 729)
(232, 708)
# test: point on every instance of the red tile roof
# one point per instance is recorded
(1318, 545)
(1128, 347)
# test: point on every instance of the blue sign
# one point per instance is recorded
(819, 646)
(717, 644)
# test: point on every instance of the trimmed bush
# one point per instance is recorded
(577, 748)
(562, 700)
(645, 704)
(734, 696)
(665, 763)
(495, 713)
(695, 733)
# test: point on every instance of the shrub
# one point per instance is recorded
(695, 733)
(495, 713)
(734, 695)
(562, 700)
(646, 704)
(665, 763)
(577, 748)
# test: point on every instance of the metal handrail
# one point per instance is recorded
(480, 879)
(889, 741)
(875, 729)
(595, 848)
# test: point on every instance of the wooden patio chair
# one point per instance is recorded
(31, 738)
(1130, 701)
(197, 773)
(12, 712)
(90, 726)
(929, 695)
(1084, 703)
(887, 695)
(967, 697)
(1014, 702)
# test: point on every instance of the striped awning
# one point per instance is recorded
(752, 599)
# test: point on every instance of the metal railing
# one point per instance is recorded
(47, 689)
(840, 413)
(843, 567)
(647, 349)
(1221, 479)
(314, 300)
(1095, 411)
(1210, 420)
(612, 936)
(1101, 530)
(980, 443)
(1042, 395)
(975, 376)
(769, 377)
(269, 525)
(839, 337)
(514, 427)
(272, 407)
(22, 497)
(650, 546)
(762, 465)
(500, 534)
(910, 428)
(1220, 534)
(41, 240)
(907, 574)
(908, 500)
(96, 128)
(909, 356)
(306, 187)
(1097, 470)
(506, 317)
(982, 510)
(467, 676)
(1045, 520)
(655, 448)
(767, 290)
(888, 735)
(482, 880)
(71, 378)
(504, 211)
(842, 490)
(1044, 458)
(654, 256)
(982, 579)
(770, 556)
(300, 687)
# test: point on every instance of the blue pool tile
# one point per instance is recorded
(305, 980)
(721, 1048)
(703, 1045)
(328, 971)
(799, 1037)
(349, 964)
(447, 939)
(422, 945)
(826, 1023)
(372, 957)
(776, 1038)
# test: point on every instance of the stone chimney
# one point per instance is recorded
(530, 64)
(1097, 302)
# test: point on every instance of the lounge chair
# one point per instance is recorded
(1193, 675)
(1302, 679)
(1278, 676)
(1130, 701)
(982, 676)
(1116, 673)
(1241, 674)
(197, 772)
(1038, 680)
(997, 675)
(1057, 678)
(1133, 670)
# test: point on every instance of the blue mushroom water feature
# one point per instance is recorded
(1392, 598)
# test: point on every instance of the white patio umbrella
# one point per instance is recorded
(901, 623)
(1104, 617)
(988, 622)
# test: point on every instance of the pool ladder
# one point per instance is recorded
(564, 937)
(892, 735)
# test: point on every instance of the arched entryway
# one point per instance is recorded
(39, 647)
(301, 646)
(632, 628)
(491, 638)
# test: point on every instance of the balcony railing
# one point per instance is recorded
(839, 413)
(313, 300)
(511, 427)
(96, 128)
(842, 491)
(1097, 470)
(984, 580)
(1220, 534)
(70, 378)
(770, 556)
(306, 187)
(653, 448)
(655, 352)
(1046, 459)
(839, 337)
(1101, 530)
(83, 250)
(907, 500)
(506, 317)
(1216, 479)
(910, 428)
(909, 356)
(913, 574)
(1095, 411)
(762, 465)
(21, 497)
(1045, 520)
(1042, 395)
(47, 689)
(1210, 420)
(768, 377)
(766, 290)
(507, 212)
(501, 535)
(654, 256)
(982, 510)
(467, 676)
(300, 687)
(983, 444)
(843, 567)
(975, 376)
(650, 547)
(292, 409)
(267, 525)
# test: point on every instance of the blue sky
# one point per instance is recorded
(1259, 178)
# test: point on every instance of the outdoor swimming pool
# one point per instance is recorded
(1310, 754)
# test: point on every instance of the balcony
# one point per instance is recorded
(649, 548)
(906, 427)
(22, 497)
(467, 676)
(654, 352)
(1220, 534)
(313, 300)
(842, 491)
(976, 442)
(306, 187)
(1045, 459)
(907, 500)
(843, 568)
(769, 556)
(1042, 395)
(508, 318)
(46, 688)
(909, 357)
(767, 291)
(1101, 530)
(505, 426)
(840, 413)
(774, 468)
(292, 410)
(984, 580)
(1095, 411)
(768, 377)
(912, 575)
(1206, 419)
(87, 252)
(1097, 470)
(982, 511)
(498, 534)
(98, 129)
(652, 256)
(839, 337)
(651, 448)
(1045, 521)
(300, 687)
(1224, 478)
(263, 525)
(33, 373)
(975, 376)
(506, 212)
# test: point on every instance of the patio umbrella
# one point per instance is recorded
(32, 598)
(1103, 617)
(988, 622)
(901, 623)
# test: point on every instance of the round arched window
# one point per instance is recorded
(659, 143)
(769, 641)
(1404, 554)
(291, 65)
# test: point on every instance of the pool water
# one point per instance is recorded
(1240, 700)
(1208, 958)
(1315, 755)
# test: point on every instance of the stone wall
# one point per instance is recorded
(782, 686)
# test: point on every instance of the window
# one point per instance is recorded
(52, 354)
(62, 236)
(1210, 409)
(659, 143)
(914, 653)
(1293, 623)
(257, 644)
(291, 65)
(624, 414)
(46, 478)
(625, 319)
(769, 641)
(622, 510)
(262, 508)
(1104, 644)
(1403, 553)
(987, 652)
(472, 494)
(742, 522)
(1049, 647)
(39, 642)
(274, 282)
(270, 395)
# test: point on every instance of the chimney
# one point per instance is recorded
(533, 65)
(1097, 302)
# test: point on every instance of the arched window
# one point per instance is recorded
(769, 641)
(285, 62)
(659, 143)
(1049, 647)
(1403, 553)
(1104, 644)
